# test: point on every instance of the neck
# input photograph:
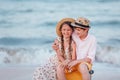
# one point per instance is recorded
(66, 39)
(84, 36)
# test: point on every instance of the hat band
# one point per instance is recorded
(82, 25)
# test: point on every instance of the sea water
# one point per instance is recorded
(27, 28)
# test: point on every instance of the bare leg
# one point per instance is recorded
(84, 71)
(60, 73)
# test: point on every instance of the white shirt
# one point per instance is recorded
(86, 47)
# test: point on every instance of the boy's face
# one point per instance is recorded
(81, 31)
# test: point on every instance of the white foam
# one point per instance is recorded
(108, 54)
(26, 55)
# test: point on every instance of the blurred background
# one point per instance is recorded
(27, 28)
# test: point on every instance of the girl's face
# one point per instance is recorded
(66, 31)
(80, 31)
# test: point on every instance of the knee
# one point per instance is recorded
(83, 68)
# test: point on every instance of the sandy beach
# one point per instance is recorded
(105, 72)
(102, 72)
(16, 73)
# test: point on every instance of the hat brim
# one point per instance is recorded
(60, 23)
(74, 25)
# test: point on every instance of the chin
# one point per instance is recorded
(78, 34)
(66, 36)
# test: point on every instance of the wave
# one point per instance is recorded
(48, 23)
(23, 55)
(37, 55)
(102, 1)
(108, 54)
(25, 41)
(114, 41)
(66, 0)
(13, 12)
(4, 22)
(107, 23)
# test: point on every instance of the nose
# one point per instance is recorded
(76, 31)
(66, 31)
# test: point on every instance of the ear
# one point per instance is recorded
(87, 29)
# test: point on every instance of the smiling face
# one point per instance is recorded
(66, 31)
(81, 32)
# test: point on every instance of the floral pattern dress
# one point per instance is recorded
(48, 71)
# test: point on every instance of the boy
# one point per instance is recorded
(85, 47)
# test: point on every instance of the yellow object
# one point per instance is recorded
(74, 74)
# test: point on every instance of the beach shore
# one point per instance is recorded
(101, 72)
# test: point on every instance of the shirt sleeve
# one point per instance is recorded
(92, 49)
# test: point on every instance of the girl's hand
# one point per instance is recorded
(73, 63)
(66, 62)
(62, 67)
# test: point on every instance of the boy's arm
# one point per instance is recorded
(92, 51)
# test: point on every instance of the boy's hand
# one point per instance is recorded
(73, 63)
(55, 45)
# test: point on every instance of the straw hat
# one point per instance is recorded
(61, 22)
(81, 22)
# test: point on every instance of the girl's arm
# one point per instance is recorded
(74, 51)
(55, 46)
(60, 57)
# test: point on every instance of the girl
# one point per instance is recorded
(65, 53)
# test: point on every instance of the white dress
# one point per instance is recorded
(48, 71)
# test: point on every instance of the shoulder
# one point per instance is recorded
(57, 40)
(73, 43)
(92, 39)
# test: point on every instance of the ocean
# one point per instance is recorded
(27, 28)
